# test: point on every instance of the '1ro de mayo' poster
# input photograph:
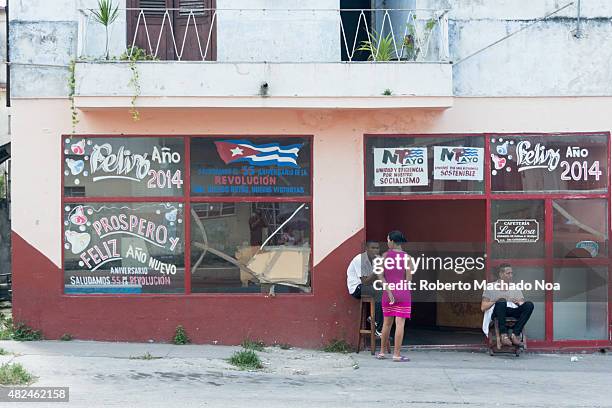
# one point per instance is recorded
(400, 166)
(458, 163)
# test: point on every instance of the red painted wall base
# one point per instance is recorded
(310, 320)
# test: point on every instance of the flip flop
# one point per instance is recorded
(401, 359)
(380, 357)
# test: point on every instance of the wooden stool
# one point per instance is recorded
(495, 345)
(364, 313)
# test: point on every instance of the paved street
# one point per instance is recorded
(106, 374)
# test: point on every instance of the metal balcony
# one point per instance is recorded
(309, 58)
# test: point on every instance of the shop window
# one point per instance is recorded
(250, 167)
(125, 205)
(559, 163)
(535, 328)
(124, 248)
(258, 245)
(123, 167)
(412, 165)
(248, 243)
(112, 244)
(580, 228)
(580, 306)
(517, 229)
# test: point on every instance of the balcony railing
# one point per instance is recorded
(268, 35)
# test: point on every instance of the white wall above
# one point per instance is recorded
(312, 85)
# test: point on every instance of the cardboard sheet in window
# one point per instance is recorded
(282, 264)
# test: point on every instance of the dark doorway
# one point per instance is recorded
(183, 28)
(437, 229)
(356, 16)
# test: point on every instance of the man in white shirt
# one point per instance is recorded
(360, 276)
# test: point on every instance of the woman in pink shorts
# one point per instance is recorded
(396, 303)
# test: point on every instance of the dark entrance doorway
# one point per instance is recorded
(356, 18)
(438, 229)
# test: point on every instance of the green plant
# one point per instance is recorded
(253, 345)
(74, 116)
(137, 54)
(106, 15)
(380, 47)
(338, 346)
(19, 332)
(246, 360)
(145, 356)
(6, 327)
(135, 84)
(14, 374)
(431, 23)
(3, 352)
(411, 47)
(22, 332)
(387, 92)
(66, 337)
(132, 55)
(180, 336)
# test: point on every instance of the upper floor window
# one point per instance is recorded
(173, 29)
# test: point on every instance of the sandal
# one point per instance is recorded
(381, 356)
(516, 340)
(400, 359)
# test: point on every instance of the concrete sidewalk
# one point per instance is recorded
(103, 374)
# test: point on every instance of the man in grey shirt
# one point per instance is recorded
(498, 300)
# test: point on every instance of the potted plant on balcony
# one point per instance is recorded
(106, 15)
(379, 46)
(414, 45)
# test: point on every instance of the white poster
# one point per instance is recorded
(400, 166)
(458, 163)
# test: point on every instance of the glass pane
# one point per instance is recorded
(580, 306)
(517, 229)
(408, 165)
(124, 248)
(535, 328)
(560, 163)
(123, 167)
(246, 247)
(580, 228)
(259, 166)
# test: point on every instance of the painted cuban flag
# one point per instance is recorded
(271, 154)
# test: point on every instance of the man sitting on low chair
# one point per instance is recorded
(506, 303)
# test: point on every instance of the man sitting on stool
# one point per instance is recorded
(360, 276)
(498, 298)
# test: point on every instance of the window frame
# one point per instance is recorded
(186, 199)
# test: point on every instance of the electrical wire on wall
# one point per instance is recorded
(514, 33)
